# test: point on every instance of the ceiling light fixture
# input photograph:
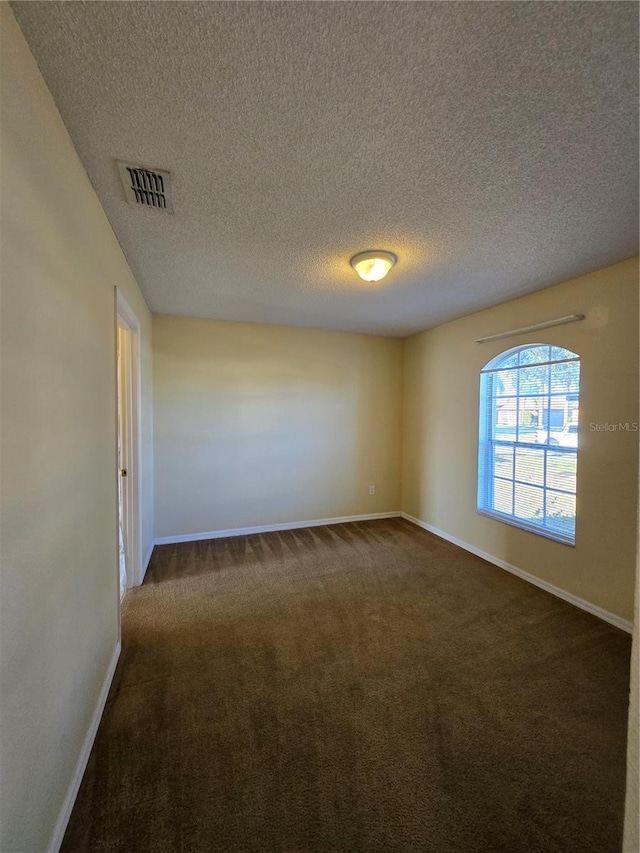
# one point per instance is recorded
(373, 265)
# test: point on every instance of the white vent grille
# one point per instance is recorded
(146, 187)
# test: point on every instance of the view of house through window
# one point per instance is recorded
(529, 410)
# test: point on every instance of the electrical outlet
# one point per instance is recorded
(372, 490)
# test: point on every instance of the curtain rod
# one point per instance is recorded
(570, 318)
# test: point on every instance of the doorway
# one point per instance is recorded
(128, 445)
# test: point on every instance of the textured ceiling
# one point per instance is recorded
(492, 146)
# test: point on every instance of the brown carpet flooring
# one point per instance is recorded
(359, 687)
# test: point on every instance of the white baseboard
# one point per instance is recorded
(268, 528)
(605, 615)
(83, 758)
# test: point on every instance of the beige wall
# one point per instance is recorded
(441, 433)
(260, 424)
(60, 263)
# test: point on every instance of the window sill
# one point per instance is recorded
(528, 528)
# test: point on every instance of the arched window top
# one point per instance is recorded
(529, 354)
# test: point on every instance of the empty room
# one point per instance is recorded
(319, 427)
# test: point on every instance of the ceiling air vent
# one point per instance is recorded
(146, 187)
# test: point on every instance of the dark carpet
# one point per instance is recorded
(356, 687)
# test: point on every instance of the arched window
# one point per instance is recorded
(528, 447)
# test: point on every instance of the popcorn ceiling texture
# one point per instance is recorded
(492, 146)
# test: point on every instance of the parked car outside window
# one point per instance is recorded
(565, 437)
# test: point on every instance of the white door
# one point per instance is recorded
(124, 439)
(129, 445)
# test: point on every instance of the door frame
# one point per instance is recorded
(133, 483)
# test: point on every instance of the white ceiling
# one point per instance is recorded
(491, 146)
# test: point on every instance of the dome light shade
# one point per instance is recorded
(373, 265)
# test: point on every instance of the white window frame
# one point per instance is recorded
(487, 443)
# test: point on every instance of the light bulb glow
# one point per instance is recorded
(374, 265)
